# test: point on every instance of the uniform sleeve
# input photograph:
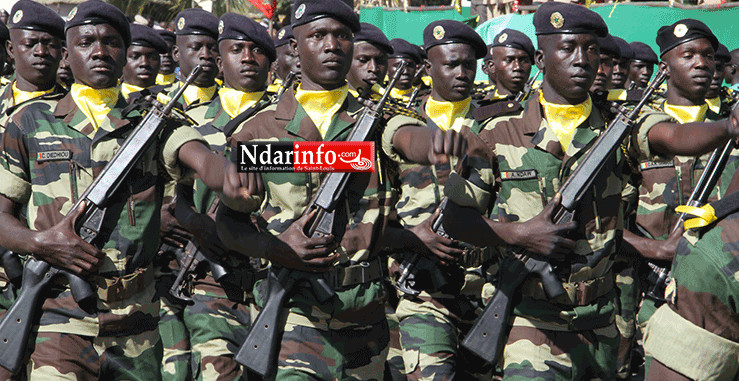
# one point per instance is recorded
(392, 126)
(171, 148)
(15, 175)
(639, 146)
(474, 189)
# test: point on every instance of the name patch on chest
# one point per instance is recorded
(655, 164)
(54, 155)
(525, 174)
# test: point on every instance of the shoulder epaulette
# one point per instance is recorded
(495, 109)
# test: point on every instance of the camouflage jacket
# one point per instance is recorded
(368, 199)
(525, 169)
(8, 106)
(171, 89)
(51, 155)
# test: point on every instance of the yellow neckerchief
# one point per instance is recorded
(686, 114)
(194, 94)
(401, 94)
(427, 80)
(234, 102)
(275, 86)
(20, 96)
(166, 79)
(448, 115)
(714, 104)
(616, 95)
(127, 89)
(564, 119)
(354, 93)
(94, 103)
(322, 105)
(219, 81)
(497, 95)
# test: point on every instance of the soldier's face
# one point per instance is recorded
(369, 66)
(605, 72)
(405, 81)
(287, 61)
(36, 55)
(717, 80)
(195, 49)
(691, 68)
(452, 69)
(512, 68)
(64, 74)
(325, 48)
(142, 66)
(245, 65)
(488, 67)
(96, 55)
(569, 62)
(640, 72)
(167, 63)
(620, 70)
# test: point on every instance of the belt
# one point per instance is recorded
(123, 287)
(352, 275)
(576, 293)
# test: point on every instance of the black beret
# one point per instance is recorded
(514, 39)
(670, 36)
(233, 26)
(420, 51)
(608, 46)
(722, 53)
(93, 12)
(4, 34)
(559, 18)
(448, 32)
(626, 53)
(373, 35)
(31, 15)
(142, 35)
(196, 21)
(642, 52)
(305, 11)
(404, 49)
(168, 36)
(489, 54)
(283, 36)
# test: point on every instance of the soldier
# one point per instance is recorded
(142, 64)
(434, 316)
(403, 51)
(42, 145)
(369, 65)
(217, 320)
(287, 60)
(487, 68)
(513, 55)
(608, 53)
(167, 65)
(572, 336)
(63, 74)
(695, 335)
(641, 67)
(6, 68)
(720, 98)
(731, 70)
(621, 64)
(345, 337)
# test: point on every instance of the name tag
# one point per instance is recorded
(655, 164)
(526, 174)
(54, 155)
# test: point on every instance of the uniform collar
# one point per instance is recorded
(445, 114)
(66, 109)
(298, 123)
(714, 104)
(686, 114)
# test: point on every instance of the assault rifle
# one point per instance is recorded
(15, 327)
(259, 350)
(284, 86)
(527, 88)
(660, 276)
(485, 339)
(12, 265)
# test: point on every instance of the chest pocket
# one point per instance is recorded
(61, 169)
(523, 192)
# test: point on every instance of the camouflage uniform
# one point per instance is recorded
(120, 340)
(696, 334)
(573, 336)
(347, 336)
(431, 322)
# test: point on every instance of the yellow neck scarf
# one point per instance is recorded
(127, 89)
(616, 95)
(687, 114)
(322, 105)
(20, 96)
(448, 115)
(275, 86)
(497, 95)
(427, 80)
(94, 103)
(401, 94)
(564, 119)
(714, 104)
(197, 94)
(166, 79)
(234, 102)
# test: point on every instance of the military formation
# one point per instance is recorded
(576, 220)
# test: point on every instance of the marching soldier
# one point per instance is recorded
(621, 64)
(487, 67)
(167, 65)
(572, 336)
(143, 64)
(369, 65)
(403, 51)
(5, 66)
(720, 98)
(42, 145)
(608, 53)
(641, 67)
(287, 60)
(513, 55)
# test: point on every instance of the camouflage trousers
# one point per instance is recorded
(352, 353)
(62, 356)
(394, 369)
(646, 310)
(175, 340)
(627, 288)
(538, 354)
(8, 293)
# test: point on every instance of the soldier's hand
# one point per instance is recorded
(63, 248)
(540, 235)
(170, 230)
(441, 247)
(300, 252)
(206, 237)
(445, 144)
(733, 122)
(241, 185)
(665, 250)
